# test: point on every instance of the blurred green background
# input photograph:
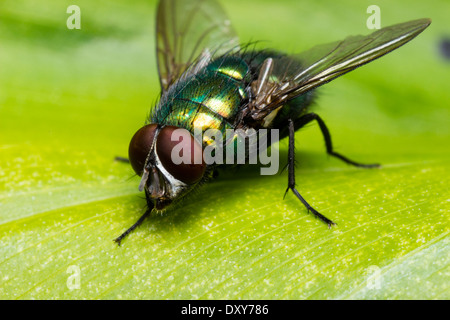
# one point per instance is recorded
(70, 100)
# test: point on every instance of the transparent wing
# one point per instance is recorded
(184, 30)
(300, 73)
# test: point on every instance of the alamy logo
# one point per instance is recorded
(235, 147)
(374, 20)
(74, 20)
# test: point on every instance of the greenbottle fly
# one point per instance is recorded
(208, 80)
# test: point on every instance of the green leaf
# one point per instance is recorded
(71, 99)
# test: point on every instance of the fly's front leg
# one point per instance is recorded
(119, 239)
(309, 117)
(150, 206)
(291, 180)
(121, 159)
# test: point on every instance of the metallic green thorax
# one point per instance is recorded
(211, 98)
(207, 99)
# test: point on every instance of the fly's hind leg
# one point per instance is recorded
(291, 173)
(309, 117)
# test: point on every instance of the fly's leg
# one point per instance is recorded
(138, 223)
(291, 173)
(134, 226)
(122, 159)
(309, 117)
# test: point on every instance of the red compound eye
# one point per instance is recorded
(140, 146)
(175, 145)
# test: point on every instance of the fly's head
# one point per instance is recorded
(164, 177)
